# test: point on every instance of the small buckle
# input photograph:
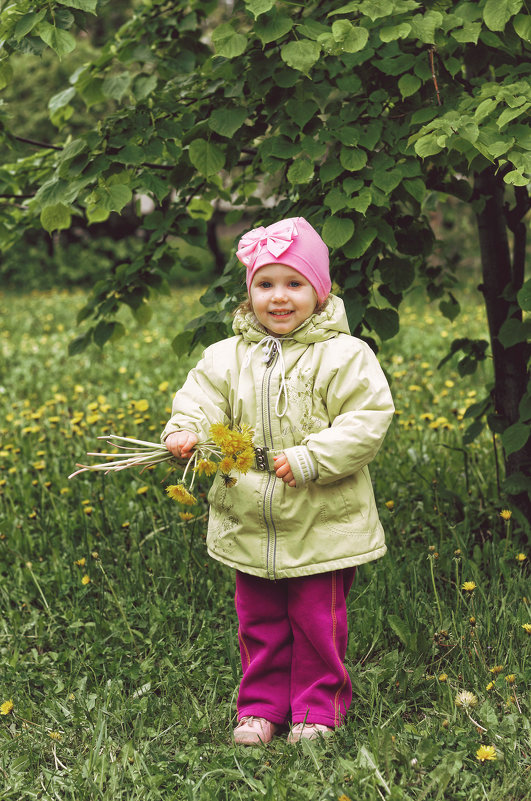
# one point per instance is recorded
(261, 458)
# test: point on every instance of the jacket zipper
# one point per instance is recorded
(267, 505)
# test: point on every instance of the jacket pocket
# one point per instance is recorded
(348, 504)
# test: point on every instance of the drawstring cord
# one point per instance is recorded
(271, 345)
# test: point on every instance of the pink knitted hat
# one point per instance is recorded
(292, 242)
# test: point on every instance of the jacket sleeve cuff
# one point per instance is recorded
(303, 465)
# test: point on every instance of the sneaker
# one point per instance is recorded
(254, 731)
(308, 731)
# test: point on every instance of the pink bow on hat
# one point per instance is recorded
(275, 238)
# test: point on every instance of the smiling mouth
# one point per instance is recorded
(281, 313)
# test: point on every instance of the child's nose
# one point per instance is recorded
(279, 293)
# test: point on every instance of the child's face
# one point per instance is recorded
(281, 298)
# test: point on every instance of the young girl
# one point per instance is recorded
(297, 524)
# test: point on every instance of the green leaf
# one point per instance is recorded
(400, 628)
(59, 40)
(522, 26)
(450, 308)
(115, 86)
(130, 154)
(427, 146)
(409, 84)
(200, 209)
(104, 331)
(351, 38)
(515, 437)
(227, 42)
(468, 33)
(361, 201)
(26, 23)
(524, 296)
(360, 242)
(151, 182)
(56, 218)
(300, 172)
(82, 5)
(423, 26)
(497, 13)
(385, 322)
(272, 26)
(515, 178)
(513, 331)
(144, 85)
(257, 7)
(206, 157)
(353, 159)
(387, 180)
(301, 56)
(302, 111)
(337, 231)
(416, 188)
(226, 121)
(61, 99)
(389, 33)
(335, 200)
(6, 74)
(376, 8)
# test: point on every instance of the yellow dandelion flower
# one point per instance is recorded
(510, 678)
(527, 627)
(179, 493)
(506, 514)
(218, 433)
(226, 464)
(186, 516)
(54, 735)
(206, 467)
(390, 504)
(465, 699)
(163, 386)
(88, 510)
(521, 557)
(489, 686)
(85, 580)
(6, 707)
(244, 461)
(94, 554)
(80, 562)
(496, 669)
(140, 405)
(126, 524)
(469, 586)
(443, 677)
(486, 753)
(343, 797)
(142, 490)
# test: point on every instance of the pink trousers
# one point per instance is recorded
(293, 639)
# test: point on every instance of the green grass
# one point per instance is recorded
(125, 687)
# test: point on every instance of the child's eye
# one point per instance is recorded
(265, 284)
(294, 283)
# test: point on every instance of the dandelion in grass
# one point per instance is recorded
(469, 586)
(85, 580)
(465, 700)
(506, 514)
(497, 669)
(490, 686)
(80, 562)
(142, 490)
(186, 516)
(54, 735)
(443, 677)
(486, 753)
(390, 505)
(7, 707)
(521, 557)
(179, 493)
(527, 627)
(510, 678)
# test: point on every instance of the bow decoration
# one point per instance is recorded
(275, 239)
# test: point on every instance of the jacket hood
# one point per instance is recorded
(317, 328)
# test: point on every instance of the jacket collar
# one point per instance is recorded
(317, 328)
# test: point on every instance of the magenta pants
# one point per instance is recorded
(293, 639)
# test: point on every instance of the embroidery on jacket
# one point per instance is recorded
(222, 521)
(300, 394)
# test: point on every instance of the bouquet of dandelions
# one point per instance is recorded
(226, 451)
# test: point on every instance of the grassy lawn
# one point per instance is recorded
(118, 647)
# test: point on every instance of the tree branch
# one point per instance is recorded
(35, 143)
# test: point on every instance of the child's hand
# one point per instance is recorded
(283, 470)
(181, 443)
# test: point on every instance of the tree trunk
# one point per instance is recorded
(500, 284)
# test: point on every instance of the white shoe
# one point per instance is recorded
(308, 731)
(254, 731)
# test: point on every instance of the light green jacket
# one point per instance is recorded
(338, 410)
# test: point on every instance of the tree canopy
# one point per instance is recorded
(350, 114)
